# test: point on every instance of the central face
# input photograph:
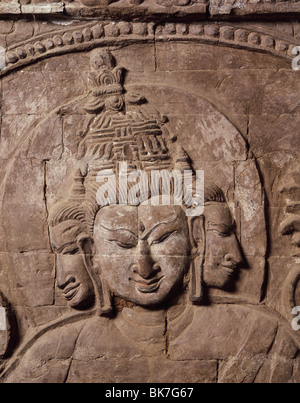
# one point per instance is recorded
(142, 252)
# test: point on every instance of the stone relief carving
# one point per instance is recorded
(221, 4)
(96, 3)
(141, 278)
(108, 33)
(243, 3)
(163, 3)
(291, 191)
(290, 188)
(120, 10)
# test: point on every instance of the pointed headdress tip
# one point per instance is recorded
(102, 58)
(182, 161)
(107, 83)
(77, 193)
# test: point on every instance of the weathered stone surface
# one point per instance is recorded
(55, 8)
(16, 7)
(114, 266)
(214, 8)
(252, 7)
(12, 7)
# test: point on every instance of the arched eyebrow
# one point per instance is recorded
(118, 229)
(171, 221)
(61, 248)
(143, 236)
(78, 229)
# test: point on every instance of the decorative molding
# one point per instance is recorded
(84, 37)
(110, 9)
(89, 36)
(120, 9)
(161, 3)
(228, 35)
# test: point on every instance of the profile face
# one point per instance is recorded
(223, 254)
(71, 273)
(142, 251)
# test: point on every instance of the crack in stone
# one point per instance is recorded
(47, 215)
(167, 335)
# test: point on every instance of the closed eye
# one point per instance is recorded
(163, 238)
(123, 238)
(222, 234)
(123, 245)
(222, 230)
(71, 251)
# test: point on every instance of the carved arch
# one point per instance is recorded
(88, 36)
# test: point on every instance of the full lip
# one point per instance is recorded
(149, 286)
(70, 292)
(229, 270)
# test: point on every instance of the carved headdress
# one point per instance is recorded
(120, 130)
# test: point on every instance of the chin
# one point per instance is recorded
(148, 303)
(219, 281)
(156, 301)
(82, 303)
(146, 300)
(220, 285)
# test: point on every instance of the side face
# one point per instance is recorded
(223, 252)
(71, 272)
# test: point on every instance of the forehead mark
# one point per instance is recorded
(142, 227)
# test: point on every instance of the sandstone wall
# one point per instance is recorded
(220, 80)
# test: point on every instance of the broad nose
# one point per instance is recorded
(145, 265)
(63, 278)
(234, 256)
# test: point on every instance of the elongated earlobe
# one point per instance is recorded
(198, 233)
(105, 300)
(102, 292)
(196, 294)
(197, 229)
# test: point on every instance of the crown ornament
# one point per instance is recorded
(108, 93)
(121, 130)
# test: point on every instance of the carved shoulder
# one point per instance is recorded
(48, 359)
(220, 330)
(232, 335)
